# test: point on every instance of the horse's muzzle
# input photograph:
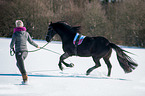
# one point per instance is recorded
(47, 38)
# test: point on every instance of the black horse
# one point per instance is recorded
(97, 47)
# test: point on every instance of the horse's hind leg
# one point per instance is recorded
(97, 64)
(108, 65)
(62, 57)
(106, 59)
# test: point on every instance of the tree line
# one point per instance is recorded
(121, 22)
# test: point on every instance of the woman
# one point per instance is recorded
(19, 40)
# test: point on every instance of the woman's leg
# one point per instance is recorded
(20, 57)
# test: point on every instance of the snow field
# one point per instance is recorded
(45, 78)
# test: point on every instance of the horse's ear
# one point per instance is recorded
(50, 23)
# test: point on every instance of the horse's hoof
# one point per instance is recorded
(71, 65)
(61, 68)
(87, 73)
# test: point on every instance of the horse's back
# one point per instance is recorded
(100, 46)
(93, 46)
(101, 40)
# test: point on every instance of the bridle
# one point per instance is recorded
(50, 34)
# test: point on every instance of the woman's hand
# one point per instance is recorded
(38, 47)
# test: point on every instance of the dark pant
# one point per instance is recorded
(20, 57)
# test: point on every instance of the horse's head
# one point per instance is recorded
(51, 32)
(62, 28)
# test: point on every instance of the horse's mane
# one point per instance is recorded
(68, 27)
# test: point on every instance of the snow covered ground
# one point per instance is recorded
(45, 79)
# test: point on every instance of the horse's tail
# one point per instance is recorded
(126, 62)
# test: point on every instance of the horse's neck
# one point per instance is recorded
(66, 36)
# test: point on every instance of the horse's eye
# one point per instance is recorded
(49, 28)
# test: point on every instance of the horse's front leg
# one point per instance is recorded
(62, 57)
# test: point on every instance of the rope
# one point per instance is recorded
(12, 51)
(38, 49)
(52, 51)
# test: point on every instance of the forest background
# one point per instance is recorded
(121, 22)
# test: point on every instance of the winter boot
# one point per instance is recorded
(25, 78)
